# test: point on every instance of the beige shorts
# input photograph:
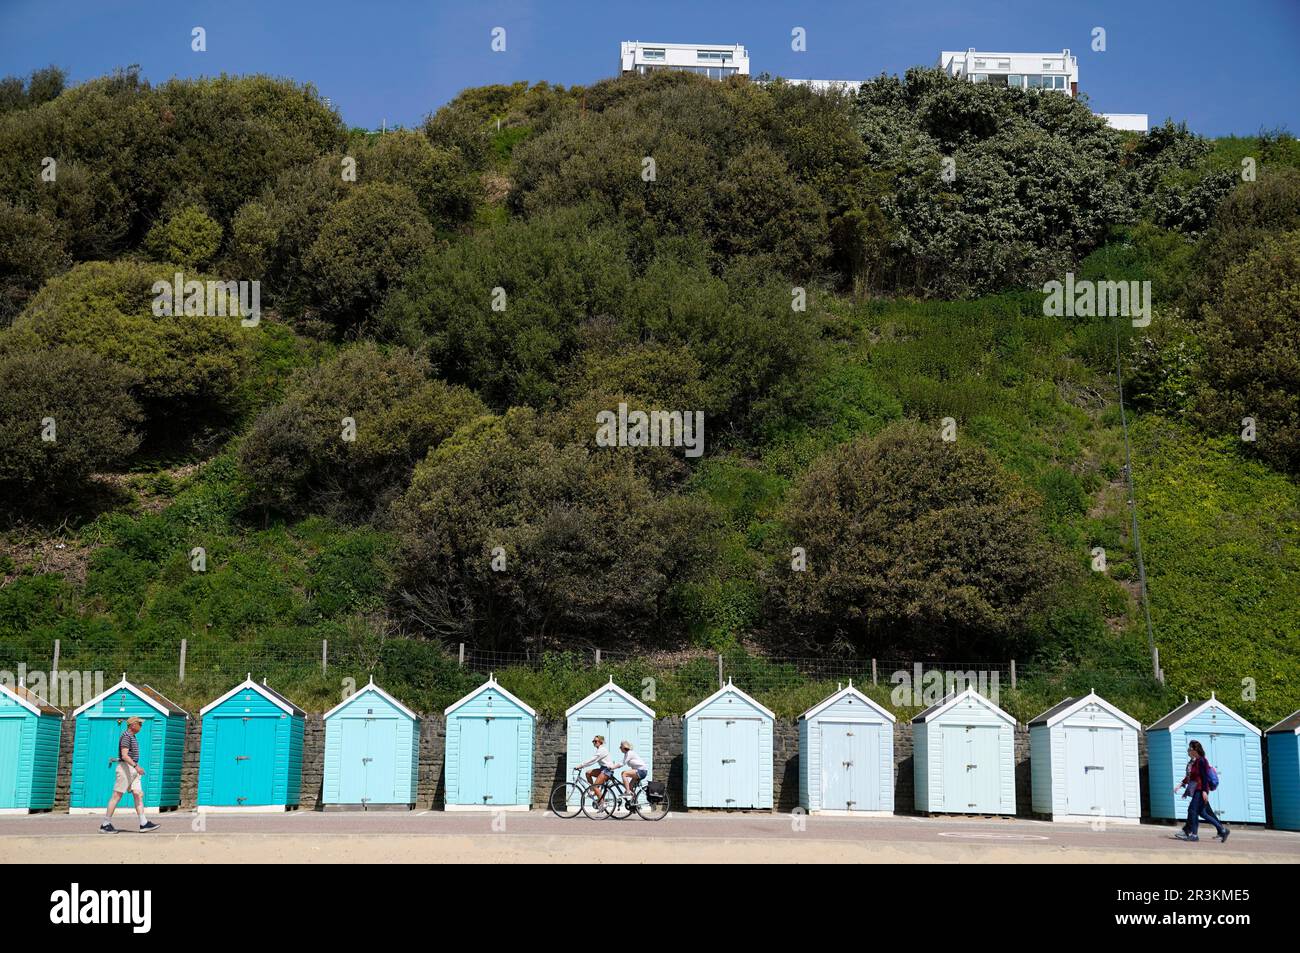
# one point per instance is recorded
(127, 779)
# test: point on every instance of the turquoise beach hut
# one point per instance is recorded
(727, 741)
(963, 757)
(372, 751)
(1084, 762)
(99, 724)
(29, 750)
(489, 755)
(846, 756)
(250, 757)
(1284, 771)
(1232, 745)
(614, 713)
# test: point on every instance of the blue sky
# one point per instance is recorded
(1220, 66)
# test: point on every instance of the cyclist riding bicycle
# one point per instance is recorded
(603, 772)
(637, 768)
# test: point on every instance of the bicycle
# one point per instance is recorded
(578, 796)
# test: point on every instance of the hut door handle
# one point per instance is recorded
(848, 764)
(728, 760)
(241, 757)
(488, 757)
(969, 766)
(366, 760)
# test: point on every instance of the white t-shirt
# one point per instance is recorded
(602, 758)
(634, 761)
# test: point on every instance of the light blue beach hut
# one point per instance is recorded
(1284, 771)
(489, 755)
(250, 756)
(728, 751)
(1084, 762)
(372, 751)
(846, 756)
(616, 714)
(1232, 745)
(29, 750)
(99, 724)
(963, 757)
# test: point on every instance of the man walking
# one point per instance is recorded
(127, 775)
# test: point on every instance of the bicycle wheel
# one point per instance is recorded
(622, 806)
(597, 811)
(650, 810)
(566, 800)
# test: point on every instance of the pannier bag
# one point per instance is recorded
(656, 790)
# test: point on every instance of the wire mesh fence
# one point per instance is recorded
(430, 675)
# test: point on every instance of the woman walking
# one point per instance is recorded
(1197, 784)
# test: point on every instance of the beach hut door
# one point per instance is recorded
(1228, 755)
(102, 769)
(354, 760)
(1094, 780)
(11, 734)
(491, 760)
(850, 751)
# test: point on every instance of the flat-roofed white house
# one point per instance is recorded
(1128, 122)
(828, 85)
(1056, 71)
(716, 61)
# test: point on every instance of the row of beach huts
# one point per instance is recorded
(1083, 753)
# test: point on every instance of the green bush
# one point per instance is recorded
(296, 458)
(912, 544)
(188, 237)
(589, 551)
(185, 369)
(79, 400)
(365, 243)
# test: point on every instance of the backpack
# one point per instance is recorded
(656, 790)
(1211, 777)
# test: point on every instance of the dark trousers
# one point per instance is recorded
(1199, 809)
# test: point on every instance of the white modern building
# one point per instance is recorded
(1129, 122)
(1056, 71)
(827, 85)
(714, 61)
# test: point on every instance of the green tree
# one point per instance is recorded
(1251, 363)
(64, 414)
(364, 245)
(188, 237)
(303, 455)
(912, 544)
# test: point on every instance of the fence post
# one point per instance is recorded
(719, 669)
(597, 658)
(55, 669)
(462, 655)
(1160, 672)
(184, 642)
(1013, 675)
(324, 655)
(873, 672)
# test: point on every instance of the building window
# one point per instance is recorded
(1016, 80)
(1035, 81)
(714, 56)
(652, 54)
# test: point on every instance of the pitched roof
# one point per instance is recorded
(1071, 705)
(730, 689)
(150, 696)
(1291, 723)
(493, 684)
(30, 700)
(843, 693)
(948, 701)
(265, 690)
(372, 687)
(617, 690)
(1190, 709)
